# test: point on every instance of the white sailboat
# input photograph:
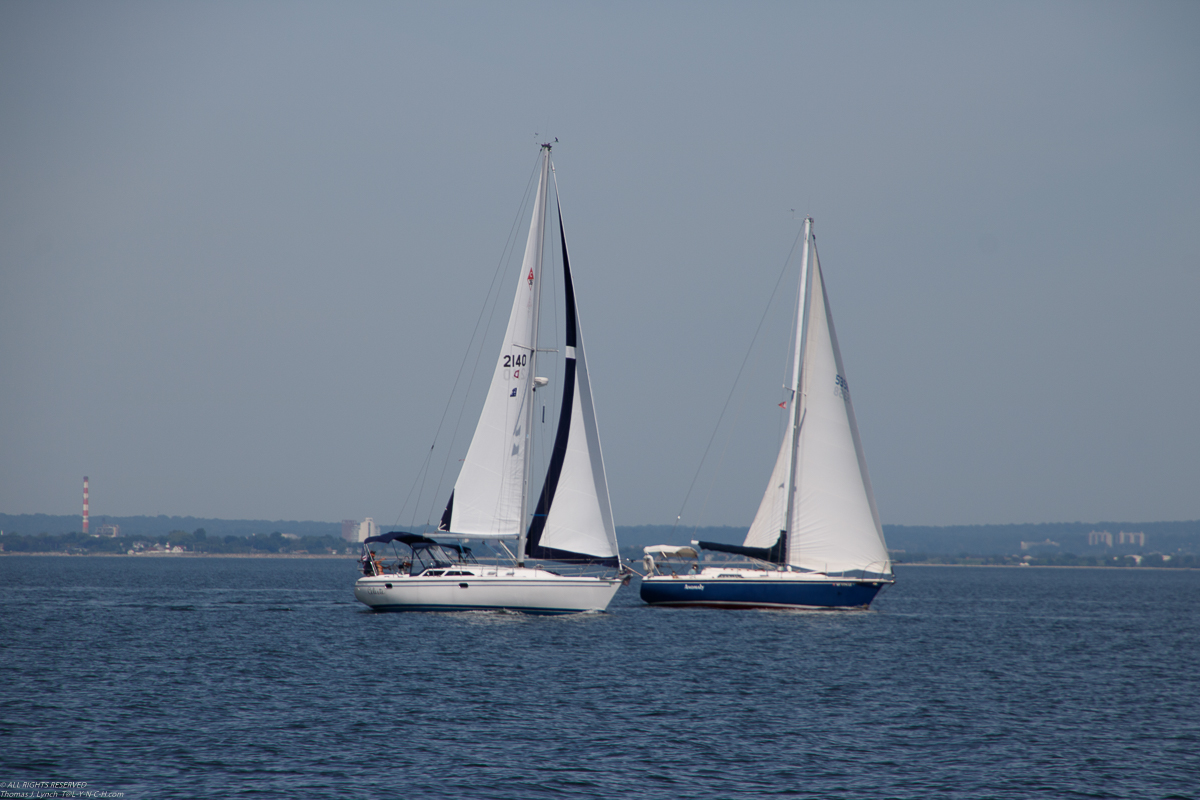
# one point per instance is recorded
(572, 524)
(816, 541)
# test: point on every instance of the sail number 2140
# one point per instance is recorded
(515, 360)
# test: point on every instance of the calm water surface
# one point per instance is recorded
(199, 678)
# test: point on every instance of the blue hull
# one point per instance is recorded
(759, 594)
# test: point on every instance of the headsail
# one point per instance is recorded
(834, 526)
(573, 519)
(489, 496)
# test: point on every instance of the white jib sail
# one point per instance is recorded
(489, 494)
(835, 526)
(581, 518)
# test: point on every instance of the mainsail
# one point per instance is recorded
(489, 496)
(834, 525)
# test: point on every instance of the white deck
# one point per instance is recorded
(744, 573)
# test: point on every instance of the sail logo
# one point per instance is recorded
(841, 388)
(530, 277)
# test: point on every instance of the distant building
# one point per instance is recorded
(364, 530)
(290, 535)
(350, 530)
(108, 529)
(1031, 545)
(1101, 537)
(1138, 538)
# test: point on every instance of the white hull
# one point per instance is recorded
(533, 591)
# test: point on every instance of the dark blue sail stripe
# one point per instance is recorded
(444, 525)
(572, 325)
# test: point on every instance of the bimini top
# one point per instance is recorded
(416, 541)
(670, 551)
(399, 536)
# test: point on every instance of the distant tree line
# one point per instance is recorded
(1177, 560)
(146, 526)
(1173, 544)
(1064, 537)
(197, 541)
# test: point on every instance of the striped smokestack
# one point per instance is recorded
(85, 504)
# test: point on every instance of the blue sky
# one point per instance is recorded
(243, 246)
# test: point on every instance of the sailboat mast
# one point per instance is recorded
(542, 198)
(797, 415)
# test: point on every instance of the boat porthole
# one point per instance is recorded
(462, 586)
(387, 586)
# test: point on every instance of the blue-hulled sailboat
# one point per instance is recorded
(816, 541)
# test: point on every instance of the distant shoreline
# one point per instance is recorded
(1044, 566)
(154, 554)
(159, 554)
